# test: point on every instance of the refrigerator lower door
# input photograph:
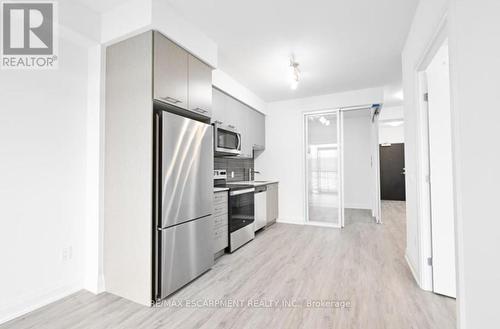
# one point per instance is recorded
(186, 253)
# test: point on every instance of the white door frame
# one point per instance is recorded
(305, 115)
(340, 139)
(424, 277)
(375, 163)
(423, 164)
(376, 212)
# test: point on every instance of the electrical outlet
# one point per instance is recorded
(64, 255)
(67, 254)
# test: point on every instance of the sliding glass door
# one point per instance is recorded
(323, 168)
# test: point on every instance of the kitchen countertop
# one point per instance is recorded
(220, 189)
(254, 183)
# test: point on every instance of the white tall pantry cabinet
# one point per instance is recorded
(138, 70)
(128, 174)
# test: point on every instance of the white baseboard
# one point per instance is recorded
(357, 206)
(95, 286)
(283, 221)
(29, 303)
(319, 224)
(412, 270)
(327, 225)
(101, 286)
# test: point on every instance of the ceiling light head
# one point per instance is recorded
(294, 73)
(399, 95)
(324, 121)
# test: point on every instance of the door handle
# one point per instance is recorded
(200, 110)
(171, 100)
(239, 142)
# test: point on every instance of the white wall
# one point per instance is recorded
(44, 172)
(475, 70)
(43, 175)
(168, 21)
(358, 180)
(387, 133)
(391, 113)
(94, 277)
(475, 77)
(391, 135)
(126, 19)
(284, 158)
(135, 16)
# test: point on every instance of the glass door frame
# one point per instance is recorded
(340, 166)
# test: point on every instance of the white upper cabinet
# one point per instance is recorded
(245, 127)
(219, 100)
(257, 122)
(170, 72)
(232, 114)
(250, 123)
(180, 79)
(199, 86)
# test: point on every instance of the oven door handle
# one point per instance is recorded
(245, 191)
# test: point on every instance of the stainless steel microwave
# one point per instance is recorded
(227, 140)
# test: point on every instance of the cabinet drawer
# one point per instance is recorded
(220, 209)
(220, 197)
(221, 240)
(220, 232)
(220, 203)
(272, 186)
(220, 221)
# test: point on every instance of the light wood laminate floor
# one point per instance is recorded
(363, 264)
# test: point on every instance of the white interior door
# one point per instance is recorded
(441, 175)
(323, 169)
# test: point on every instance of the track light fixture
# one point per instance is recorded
(294, 73)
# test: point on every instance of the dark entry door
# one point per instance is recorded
(392, 176)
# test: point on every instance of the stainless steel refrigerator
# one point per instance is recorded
(183, 201)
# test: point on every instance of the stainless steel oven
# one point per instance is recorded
(241, 216)
(227, 140)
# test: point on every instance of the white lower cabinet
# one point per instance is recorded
(272, 203)
(221, 239)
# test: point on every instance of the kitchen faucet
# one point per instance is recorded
(251, 174)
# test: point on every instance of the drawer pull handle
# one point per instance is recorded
(171, 100)
(200, 110)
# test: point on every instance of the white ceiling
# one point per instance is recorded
(340, 44)
(101, 6)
